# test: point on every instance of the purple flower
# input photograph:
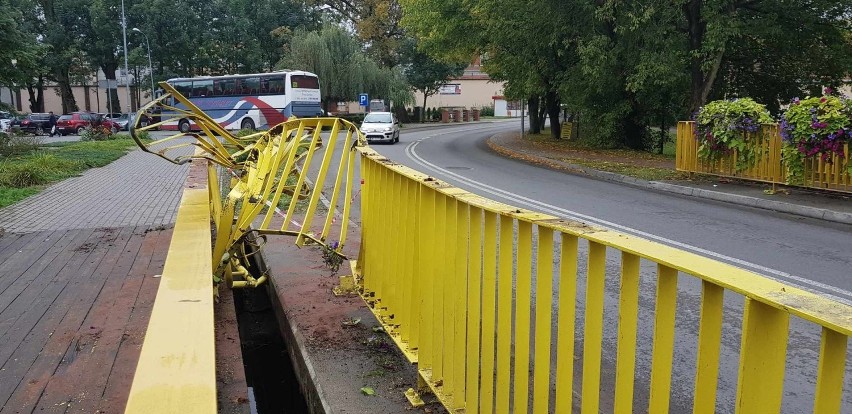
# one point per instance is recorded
(796, 100)
(828, 91)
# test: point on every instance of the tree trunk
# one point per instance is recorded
(36, 95)
(633, 130)
(423, 112)
(553, 106)
(113, 102)
(63, 83)
(700, 83)
(533, 104)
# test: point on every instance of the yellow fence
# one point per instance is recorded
(465, 286)
(769, 166)
(483, 296)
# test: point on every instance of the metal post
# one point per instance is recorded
(126, 70)
(150, 66)
(522, 119)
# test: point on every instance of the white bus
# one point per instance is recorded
(254, 101)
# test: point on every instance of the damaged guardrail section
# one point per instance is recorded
(487, 300)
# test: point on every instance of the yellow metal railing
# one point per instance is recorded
(769, 166)
(453, 276)
(177, 366)
(268, 178)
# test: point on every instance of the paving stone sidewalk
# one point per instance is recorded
(139, 189)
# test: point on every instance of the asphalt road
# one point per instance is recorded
(808, 253)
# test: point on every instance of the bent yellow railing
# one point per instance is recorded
(268, 177)
(769, 166)
(452, 276)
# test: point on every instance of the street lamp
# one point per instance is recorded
(150, 66)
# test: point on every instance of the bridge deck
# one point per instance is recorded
(74, 306)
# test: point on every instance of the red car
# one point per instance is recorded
(75, 122)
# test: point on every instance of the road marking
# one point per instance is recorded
(810, 285)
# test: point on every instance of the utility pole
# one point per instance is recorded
(126, 71)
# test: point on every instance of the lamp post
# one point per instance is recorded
(150, 66)
(126, 70)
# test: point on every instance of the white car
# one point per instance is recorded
(5, 121)
(380, 127)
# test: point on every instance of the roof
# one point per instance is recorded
(248, 75)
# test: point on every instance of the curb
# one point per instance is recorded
(778, 206)
(440, 125)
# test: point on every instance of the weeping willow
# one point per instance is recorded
(344, 69)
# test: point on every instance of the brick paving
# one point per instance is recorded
(139, 189)
(80, 261)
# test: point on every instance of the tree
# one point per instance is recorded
(629, 65)
(377, 23)
(343, 68)
(424, 73)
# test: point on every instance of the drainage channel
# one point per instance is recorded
(273, 387)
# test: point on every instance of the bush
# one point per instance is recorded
(356, 119)
(16, 144)
(486, 111)
(96, 134)
(244, 132)
(726, 125)
(38, 169)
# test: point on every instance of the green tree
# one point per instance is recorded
(377, 23)
(424, 73)
(342, 66)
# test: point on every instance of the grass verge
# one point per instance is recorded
(24, 175)
(639, 164)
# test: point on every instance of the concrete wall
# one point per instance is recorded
(97, 101)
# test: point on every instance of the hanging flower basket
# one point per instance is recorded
(815, 128)
(725, 126)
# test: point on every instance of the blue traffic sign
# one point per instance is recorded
(363, 99)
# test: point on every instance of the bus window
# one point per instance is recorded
(202, 88)
(184, 88)
(224, 87)
(248, 86)
(274, 85)
(304, 82)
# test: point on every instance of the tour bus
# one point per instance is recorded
(254, 101)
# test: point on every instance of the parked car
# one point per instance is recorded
(76, 122)
(381, 126)
(109, 123)
(36, 123)
(5, 121)
(124, 121)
